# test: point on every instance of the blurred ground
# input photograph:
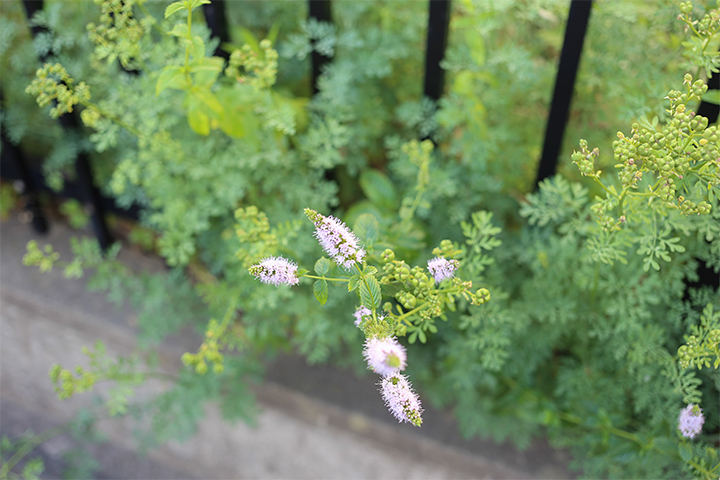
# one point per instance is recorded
(315, 422)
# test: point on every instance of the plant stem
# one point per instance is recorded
(328, 279)
(29, 445)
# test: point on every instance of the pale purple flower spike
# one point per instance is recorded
(442, 268)
(276, 271)
(690, 421)
(400, 399)
(360, 312)
(385, 355)
(337, 239)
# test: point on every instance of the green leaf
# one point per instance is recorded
(174, 7)
(320, 288)
(172, 76)
(370, 295)
(250, 38)
(323, 266)
(209, 100)
(207, 72)
(712, 96)
(197, 50)
(197, 119)
(367, 228)
(193, 4)
(378, 188)
(685, 451)
(180, 30)
(353, 283)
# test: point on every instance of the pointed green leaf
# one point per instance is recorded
(367, 228)
(379, 189)
(209, 100)
(196, 3)
(370, 295)
(180, 30)
(685, 451)
(320, 288)
(172, 76)
(174, 7)
(197, 119)
(323, 266)
(353, 283)
(207, 72)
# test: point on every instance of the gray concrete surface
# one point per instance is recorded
(303, 430)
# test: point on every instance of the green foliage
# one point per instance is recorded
(583, 336)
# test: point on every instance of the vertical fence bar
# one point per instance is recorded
(706, 274)
(577, 23)
(15, 156)
(217, 22)
(70, 122)
(321, 11)
(437, 36)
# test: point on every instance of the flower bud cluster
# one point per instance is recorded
(260, 68)
(53, 83)
(681, 155)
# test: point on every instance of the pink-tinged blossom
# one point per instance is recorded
(401, 400)
(442, 268)
(360, 312)
(336, 239)
(690, 421)
(385, 355)
(276, 271)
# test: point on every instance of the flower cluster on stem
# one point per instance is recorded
(690, 421)
(336, 239)
(442, 268)
(276, 271)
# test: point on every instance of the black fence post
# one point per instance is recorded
(70, 122)
(577, 23)
(707, 275)
(437, 36)
(14, 156)
(321, 11)
(217, 22)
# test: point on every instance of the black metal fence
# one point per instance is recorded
(14, 165)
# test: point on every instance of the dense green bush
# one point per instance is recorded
(591, 336)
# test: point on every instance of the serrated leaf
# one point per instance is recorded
(353, 283)
(367, 227)
(172, 76)
(320, 288)
(207, 72)
(370, 294)
(179, 30)
(323, 266)
(196, 3)
(197, 50)
(685, 451)
(369, 270)
(174, 7)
